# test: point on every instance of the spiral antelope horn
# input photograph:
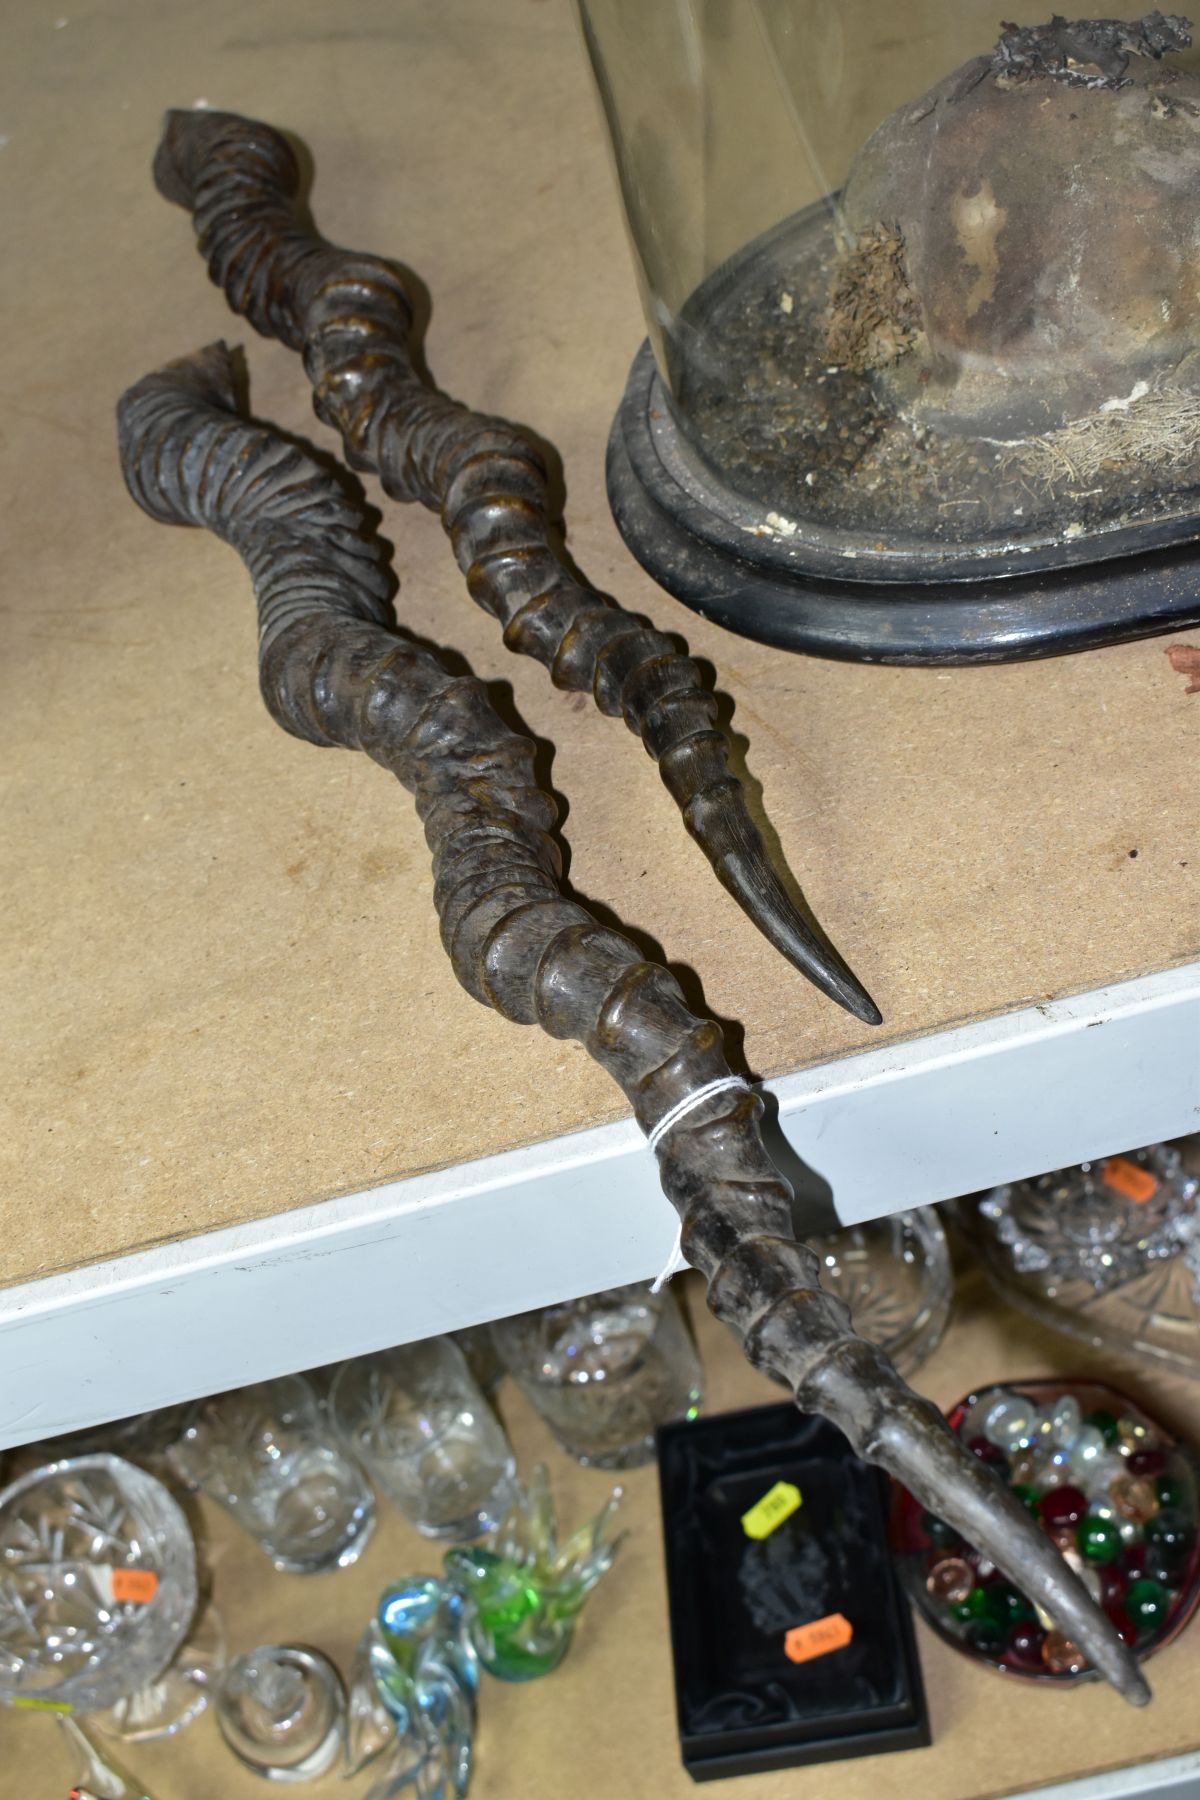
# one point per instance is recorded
(351, 316)
(333, 672)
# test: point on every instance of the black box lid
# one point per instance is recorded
(739, 1604)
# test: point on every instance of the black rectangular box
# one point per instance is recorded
(744, 1608)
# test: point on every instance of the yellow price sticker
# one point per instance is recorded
(776, 1505)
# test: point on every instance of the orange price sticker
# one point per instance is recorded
(818, 1638)
(1129, 1178)
(135, 1586)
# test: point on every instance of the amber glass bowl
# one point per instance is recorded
(1111, 1486)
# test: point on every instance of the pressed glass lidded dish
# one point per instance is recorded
(921, 381)
(1112, 1488)
(1107, 1252)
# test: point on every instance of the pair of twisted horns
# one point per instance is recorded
(333, 671)
(351, 316)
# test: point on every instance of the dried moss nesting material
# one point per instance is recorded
(873, 314)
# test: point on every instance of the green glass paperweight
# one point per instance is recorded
(525, 1590)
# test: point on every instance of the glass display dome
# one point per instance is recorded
(922, 292)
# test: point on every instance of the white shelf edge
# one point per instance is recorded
(918, 1121)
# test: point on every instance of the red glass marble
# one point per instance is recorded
(1024, 1646)
(987, 1453)
(1146, 1462)
(1112, 1587)
(1062, 1506)
(1133, 1560)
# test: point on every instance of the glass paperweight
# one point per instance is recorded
(97, 1584)
(412, 1697)
(267, 1454)
(605, 1371)
(894, 1275)
(1113, 1489)
(417, 1421)
(525, 1590)
(1105, 1252)
(281, 1709)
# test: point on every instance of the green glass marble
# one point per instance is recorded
(1098, 1540)
(1170, 1534)
(986, 1637)
(524, 1590)
(1105, 1423)
(1169, 1489)
(983, 1604)
(1027, 1495)
(1010, 1603)
(1146, 1604)
(941, 1535)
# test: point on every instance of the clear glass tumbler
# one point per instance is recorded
(268, 1456)
(605, 1371)
(417, 1421)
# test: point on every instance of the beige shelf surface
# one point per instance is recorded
(224, 993)
(603, 1725)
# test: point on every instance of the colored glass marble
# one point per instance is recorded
(1063, 1506)
(1085, 1450)
(1134, 1434)
(1023, 1646)
(1123, 1625)
(1098, 1539)
(1010, 1603)
(1011, 1422)
(982, 1603)
(950, 1580)
(1146, 1462)
(1026, 1494)
(1105, 1422)
(1170, 1491)
(1133, 1560)
(1146, 1604)
(1134, 1497)
(986, 1637)
(1062, 1420)
(1170, 1535)
(941, 1535)
(987, 1453)
(1062, 1656)
(1112, 1587)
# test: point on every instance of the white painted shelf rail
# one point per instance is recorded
(920, 1121)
